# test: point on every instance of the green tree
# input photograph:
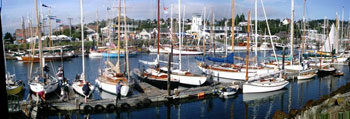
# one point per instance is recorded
(9, 37)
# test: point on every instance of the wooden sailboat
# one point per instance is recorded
(308, 72)
(261, 83)
(111, 75)
(185, 77)
(13, 86)
(79, 83)
(50, 82)
(234, 71)
(153, 75)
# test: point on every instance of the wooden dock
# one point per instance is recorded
(148, 96)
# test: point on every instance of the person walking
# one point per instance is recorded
(118, 87)
(86, 90)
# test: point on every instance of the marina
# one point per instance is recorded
(182, 62)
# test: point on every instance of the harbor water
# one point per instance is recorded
(262, 105)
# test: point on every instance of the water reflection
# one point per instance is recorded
(258, 100)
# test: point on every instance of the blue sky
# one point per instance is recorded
(13, 10)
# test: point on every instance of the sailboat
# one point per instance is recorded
(13, 87)
(260, 83)
(153, 74)
(185, 77)
(51, 83)
(234, 71)
(111, 75)
(79, 83)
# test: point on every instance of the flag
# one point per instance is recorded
(45, 6)
(58, 20)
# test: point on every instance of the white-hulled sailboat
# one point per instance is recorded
(261, 83)
(234, 71)
(79, 83)
(111, 75)
(185, 77)
(50, 82)
(154, 75)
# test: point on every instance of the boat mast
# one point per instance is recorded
(118, 62)
(304, 28)
(292, 33)
(158, 33)
(256, 32)
(97, 27)
(247, 55)
(212, 32)
(204, 30)
(38, 33)
(50, 30)
(180, 33)
(171, 52)
(126, 42)
(82, 36)
(233, 26)
(226, 38)
(268, 28)
(342, 24)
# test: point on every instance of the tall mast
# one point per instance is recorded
(97, 28)
(118, 63)
(212, 32)
(304, 28)
(342, 25)
(126, 42)
(23, 32)
(82, 36)
(158, 33)
(292, 33)
(233, 26)
(38, 33)
(226, 38)
(204, 29)
(50, 30)
(247, 55)
(256, 32)
(180, 33)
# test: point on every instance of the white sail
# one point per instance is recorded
(329, 44)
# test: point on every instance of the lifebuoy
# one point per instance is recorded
(110, 107)
(88, 109)
(99, 108)
(147, 102)
(140, 104)
(125, 106)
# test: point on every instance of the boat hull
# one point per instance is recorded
(252, 87)
(111, 88)
(304, 77)
(77, 87)
(14, 90)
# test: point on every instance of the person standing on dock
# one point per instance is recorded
(46, 70)
(86, 90)
(118, 87)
